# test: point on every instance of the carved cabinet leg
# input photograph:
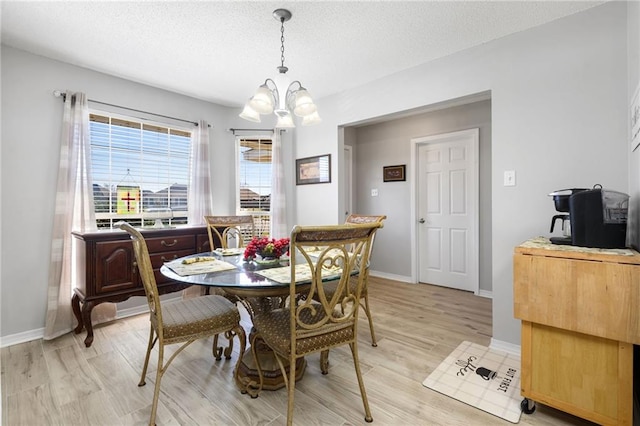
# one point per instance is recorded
(75, 305)
(87, 307)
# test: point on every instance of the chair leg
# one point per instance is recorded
(217, 350)
(367, 312)
(229, 335)
(291, 389)
(250, 386)
(156, 390)
(150, 345)
(363, 392)
(242, 337)
(324, 362)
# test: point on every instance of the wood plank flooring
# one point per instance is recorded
(61, 382)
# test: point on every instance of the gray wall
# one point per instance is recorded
(31, 126)
(389, 143)
(559, 119)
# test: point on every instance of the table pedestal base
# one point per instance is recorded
(272, 376)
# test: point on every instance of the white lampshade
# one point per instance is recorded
(304, 104)
(285, 120)
(250, 114)
(313, 118)
(262, 101)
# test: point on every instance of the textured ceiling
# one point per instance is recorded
(221, 51)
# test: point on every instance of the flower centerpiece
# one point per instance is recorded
(266, 248)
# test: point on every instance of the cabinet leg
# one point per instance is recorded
(75, 305)
(86, 319)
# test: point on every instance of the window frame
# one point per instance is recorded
(141, 218)
(262, 218)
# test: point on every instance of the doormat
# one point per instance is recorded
(481, 377)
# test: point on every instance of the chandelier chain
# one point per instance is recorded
(282, 42)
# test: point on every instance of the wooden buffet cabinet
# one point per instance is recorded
(106, 269)
(580, 312)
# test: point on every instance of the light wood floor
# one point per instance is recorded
(63, 383)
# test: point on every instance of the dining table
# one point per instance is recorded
(258, 286)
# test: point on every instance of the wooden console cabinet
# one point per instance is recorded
(106, 269)
(580, 312)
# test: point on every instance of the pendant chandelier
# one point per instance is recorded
(269, 99)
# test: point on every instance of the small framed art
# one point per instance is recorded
(394, 173)
(313, 170)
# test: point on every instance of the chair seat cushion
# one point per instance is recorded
(274, 328)
(198, 317)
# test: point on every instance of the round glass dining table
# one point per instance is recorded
(256, 293)
(242, 281)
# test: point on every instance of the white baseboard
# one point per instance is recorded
(503, 346)
(393, 277)
(25, 336)
(485, 293)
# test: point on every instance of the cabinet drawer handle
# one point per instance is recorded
(134, 267)
(164, 259)
(167, 244)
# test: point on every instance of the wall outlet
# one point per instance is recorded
(510, 178)
(374, 192)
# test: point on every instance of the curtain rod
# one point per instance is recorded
(60, 94)
(232, 130)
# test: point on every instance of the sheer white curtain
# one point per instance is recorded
(278, 199)
(200, 201)
(74, 211)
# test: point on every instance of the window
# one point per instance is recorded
(254, 181)
(140, 171)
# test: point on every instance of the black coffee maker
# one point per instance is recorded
(596, 217)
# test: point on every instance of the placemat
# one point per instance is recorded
(303, 273)
(229, 251)
(209, 265)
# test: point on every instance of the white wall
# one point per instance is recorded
(31, 123)
(389, 143)
(559, 117)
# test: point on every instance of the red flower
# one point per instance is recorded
(266, 247)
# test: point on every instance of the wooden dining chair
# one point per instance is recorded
(184, 321)
(230, 231)
(312, 321)
(330, 288)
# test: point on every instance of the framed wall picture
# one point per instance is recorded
(394, 173)
(313, 170)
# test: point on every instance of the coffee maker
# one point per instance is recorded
(596, 217)
(561, 203)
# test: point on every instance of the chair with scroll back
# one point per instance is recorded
(330, 288)
(312, 321)
(230, 231)
(184, 321)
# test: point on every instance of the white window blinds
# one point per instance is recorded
(140, 171)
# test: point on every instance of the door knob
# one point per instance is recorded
(421, 220)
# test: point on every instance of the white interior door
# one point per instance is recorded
(447, 210)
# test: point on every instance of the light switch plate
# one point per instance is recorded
(510, 178)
